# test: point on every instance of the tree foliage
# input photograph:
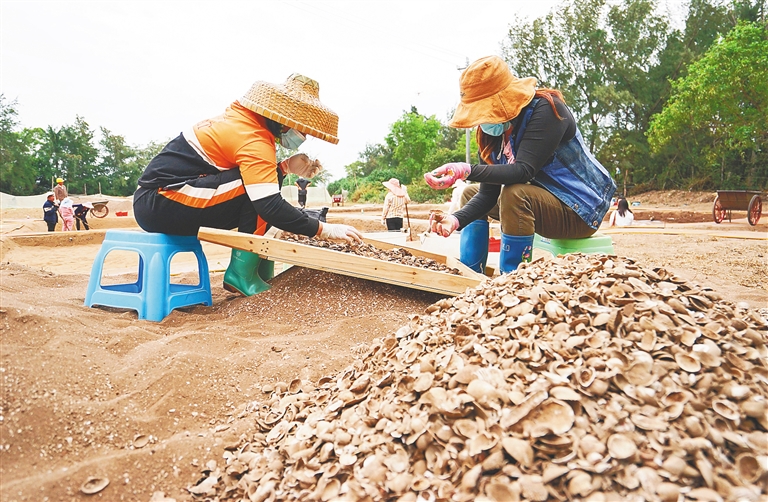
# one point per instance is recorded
(30, 159)
(614, 62)
(17, 174)
(415, 144)
(660, 106)
(718, 112)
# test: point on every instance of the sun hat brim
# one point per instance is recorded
(491, 94)
(396, 190)
(495, 109)
(296, 104)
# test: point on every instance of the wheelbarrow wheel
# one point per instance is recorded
(99, 210)
(718, 211)
(755, 210)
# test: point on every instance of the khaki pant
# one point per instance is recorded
(525, 209)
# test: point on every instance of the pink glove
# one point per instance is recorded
(443, 224)
(446, 175)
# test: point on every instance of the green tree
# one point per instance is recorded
(564, 50)
(718, 111)
(17, 169)
(411, 139)
(114, 172)
(69, 152)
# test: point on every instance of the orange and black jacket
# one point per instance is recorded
(237, 139)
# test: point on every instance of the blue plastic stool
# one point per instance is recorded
(152, 295)
(597, 243)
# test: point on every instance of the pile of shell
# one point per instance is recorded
(583, 377)
(396, 255)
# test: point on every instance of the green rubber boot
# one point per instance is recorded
(242, 275)
(266, 270)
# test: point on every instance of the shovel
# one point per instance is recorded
(410, 229)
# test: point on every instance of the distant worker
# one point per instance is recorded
(223, 173)
(67, 215)
(50, 212)
(60, 191)
(302, 184)
(394, 205)
(81, 214)
(623, 216)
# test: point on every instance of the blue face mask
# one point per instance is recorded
(292, 139)
(494, 129)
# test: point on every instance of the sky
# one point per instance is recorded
(148, 69)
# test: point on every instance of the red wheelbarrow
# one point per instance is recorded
(738, 200)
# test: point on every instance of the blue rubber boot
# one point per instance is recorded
(242, 275)
(473, 250)
(514, 250)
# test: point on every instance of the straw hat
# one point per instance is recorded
(59, 180)
(295, 104)
(491, 94)
(393, 185)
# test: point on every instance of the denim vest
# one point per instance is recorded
(573, 175)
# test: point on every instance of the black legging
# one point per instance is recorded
(85, 222)
(394, 224)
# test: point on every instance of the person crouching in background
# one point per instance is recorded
(81, 214)
(623, 216)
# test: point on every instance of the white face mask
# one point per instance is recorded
(292, 139)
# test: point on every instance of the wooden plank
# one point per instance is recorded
(686, 231)
(342, 263)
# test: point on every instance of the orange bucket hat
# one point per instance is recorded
(491, 94)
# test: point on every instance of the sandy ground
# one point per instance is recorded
(93, 392)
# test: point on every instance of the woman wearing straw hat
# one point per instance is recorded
(536, 175)
(394, 205)
(223, 173)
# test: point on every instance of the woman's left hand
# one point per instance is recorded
(447, 174)
(443, 224)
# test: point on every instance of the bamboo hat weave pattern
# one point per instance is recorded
(491, 94)
(296, 104)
